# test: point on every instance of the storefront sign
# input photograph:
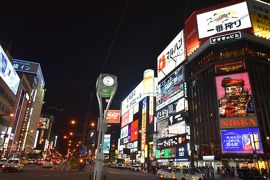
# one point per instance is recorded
(243, 141)
(225, 37)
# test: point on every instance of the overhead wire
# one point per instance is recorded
(114, 36)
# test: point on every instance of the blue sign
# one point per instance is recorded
(182, 153)
(244, 140)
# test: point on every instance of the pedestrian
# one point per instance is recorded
(222, 172)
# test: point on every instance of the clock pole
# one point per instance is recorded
(106, 88)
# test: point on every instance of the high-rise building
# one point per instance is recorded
(33, 73)
(228, 81)
(9, 108)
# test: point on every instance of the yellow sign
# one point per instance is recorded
(260, 18)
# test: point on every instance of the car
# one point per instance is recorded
(136, 167)
(166, 174)
(121, 165)
(246, 174)
(2, 162)
(187, 173)
(12, 165)
(47, 163)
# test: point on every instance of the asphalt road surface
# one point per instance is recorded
(62, 172)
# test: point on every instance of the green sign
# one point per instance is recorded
(166, 153)
(157, 154)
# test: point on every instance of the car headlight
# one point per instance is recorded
(3, 166)
(16, 166)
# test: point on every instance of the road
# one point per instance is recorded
(61, 172)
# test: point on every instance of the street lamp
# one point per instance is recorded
(106, 88)
(92, 124)
(72, 122)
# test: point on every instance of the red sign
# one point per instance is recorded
(134, 131)
(125, 119)
(238, 123)
(113, 116)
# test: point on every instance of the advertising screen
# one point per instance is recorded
(260, 17)
(172, 88)
(234, 96)
(244, 140)
(106, 143)
(172, 56)
(230, 18)
(113, 116)
(134, 131)
(8, 73)
(43, 123)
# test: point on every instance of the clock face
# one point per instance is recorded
(108, 81)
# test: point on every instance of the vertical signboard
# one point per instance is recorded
(192, 36)
(230, 18)
(151, 110)
(134, 130)
(172, 56)
(143, 134)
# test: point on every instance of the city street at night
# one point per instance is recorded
(33, 172)
(135, 90)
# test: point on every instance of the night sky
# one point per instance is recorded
(72, 41)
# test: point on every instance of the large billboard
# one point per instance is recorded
(244, 141)
(8, 73)
(230, 18)
(234, 96)
(171, 89)
(106, 143)
(260, 17)
(133, 98)
(172, 56)
(113, 116)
